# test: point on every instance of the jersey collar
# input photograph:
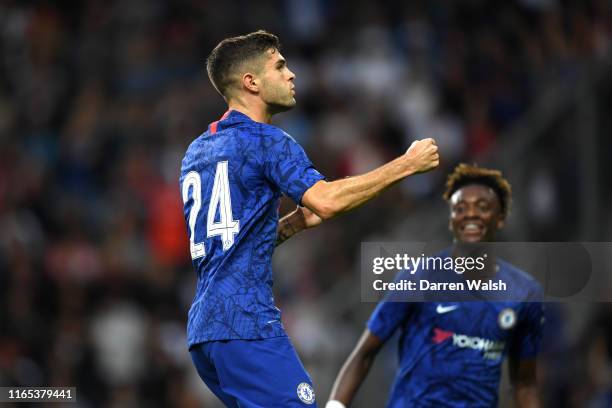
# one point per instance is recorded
(230, 118)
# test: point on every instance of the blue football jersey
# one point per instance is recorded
(451, 353)
(232, 178)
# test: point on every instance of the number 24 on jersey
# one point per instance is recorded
(220, 201)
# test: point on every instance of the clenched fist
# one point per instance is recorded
(423, 155)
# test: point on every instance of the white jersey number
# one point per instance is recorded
(220, 201)
(193, 180)
(227, 227)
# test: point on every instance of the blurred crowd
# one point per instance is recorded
(99, 100)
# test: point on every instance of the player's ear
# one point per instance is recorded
(501, 222)
(250, 82)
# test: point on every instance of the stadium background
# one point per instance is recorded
(99, 99)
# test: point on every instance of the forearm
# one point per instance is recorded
(346, 194)
(288, 226)
(350, 378)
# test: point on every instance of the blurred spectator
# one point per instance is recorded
(98, 101)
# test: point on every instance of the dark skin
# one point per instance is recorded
(475, 216)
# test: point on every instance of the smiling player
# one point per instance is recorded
(232, 178)
(451, 353)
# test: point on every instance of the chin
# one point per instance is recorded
(282, 107)
(471, 239)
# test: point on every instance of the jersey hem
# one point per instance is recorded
(203, 340)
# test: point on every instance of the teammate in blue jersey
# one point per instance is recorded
(451, 353)
(232, 178)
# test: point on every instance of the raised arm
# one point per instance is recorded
(325, 200)
(354, 370)
(328, 199)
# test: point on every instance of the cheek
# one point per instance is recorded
(270, 89)
(265, 86)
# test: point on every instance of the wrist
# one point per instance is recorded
(406, 165)
(297, 221)
(334, 404)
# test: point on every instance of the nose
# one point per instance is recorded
(470, 211)
(291, 75)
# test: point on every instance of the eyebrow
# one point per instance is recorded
(477, 201)
(280, 63)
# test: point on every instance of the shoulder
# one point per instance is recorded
(253, 128)
(277, 144)
(195, 146)
(516, 273)
(274, 133)
(522, 279)
(263, 135)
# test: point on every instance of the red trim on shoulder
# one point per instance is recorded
(213, 126)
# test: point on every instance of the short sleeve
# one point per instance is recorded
(528, 335)
(392, 311)
(387, 317)
(287, 166)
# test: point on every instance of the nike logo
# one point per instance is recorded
(445, 309)
(271, 321)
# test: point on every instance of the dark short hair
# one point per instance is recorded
(465, 174)
(232, 52)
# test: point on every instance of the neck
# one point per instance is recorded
(256, 110)
(469, 248)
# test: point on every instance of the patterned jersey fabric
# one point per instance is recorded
(451, 353)
(232, 178)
